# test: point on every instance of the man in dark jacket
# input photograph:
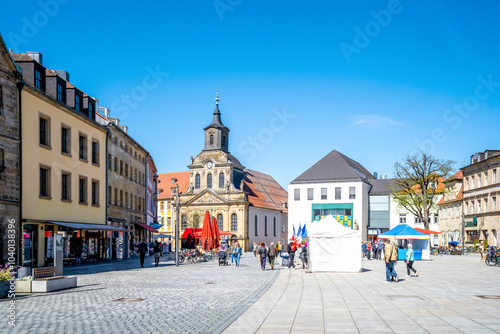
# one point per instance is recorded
(291, 251)
(272, 255)
(143, 248)
(263, 255)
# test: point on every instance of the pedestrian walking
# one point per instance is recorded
(143, 248)
(363, 248)
(78, 253)
(303, 255)
(255, 248)
(291, 252)
(391, 257)
(272, 255)
(380, 250)
(263, 255)
(368, 250)
(374, 249)
(409, 259)
(157, 252)
(279, 248)
(233, 254)
(238, 252)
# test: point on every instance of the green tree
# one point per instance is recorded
(418, 183)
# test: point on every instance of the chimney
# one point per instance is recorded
(63, 74)
(375, 175)
(37, 56)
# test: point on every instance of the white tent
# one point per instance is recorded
(333, 247)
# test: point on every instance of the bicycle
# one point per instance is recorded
(493, 257)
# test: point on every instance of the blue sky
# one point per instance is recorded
(375, 80)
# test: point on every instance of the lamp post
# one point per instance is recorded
(463, 233)
(175, 190)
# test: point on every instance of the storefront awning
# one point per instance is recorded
(116, 219)
(94, 227)
(147, 227)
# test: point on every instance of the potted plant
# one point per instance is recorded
(23, 285)
(6, 276)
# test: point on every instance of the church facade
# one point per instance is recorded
(234, 195)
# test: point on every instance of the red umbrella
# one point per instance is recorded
(215, 232)
(206, 233)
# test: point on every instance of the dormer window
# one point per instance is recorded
(91, 108)
(78, 102)
(38, 79)
(60, 93)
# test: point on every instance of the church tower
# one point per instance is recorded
(216, 134)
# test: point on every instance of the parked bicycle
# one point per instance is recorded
(493, 258)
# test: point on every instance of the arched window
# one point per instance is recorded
(256, 226)
(275, 227)
(234, 222)
(265, 226)
(211, 139)
(184, 223)
(209, 180)
(221, 180)
(220, 221)
(197, 181)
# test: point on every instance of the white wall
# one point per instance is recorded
(261, 215)
(300, 212)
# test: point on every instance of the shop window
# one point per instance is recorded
(324, 193)
(234, 222)
(66, 186)
(220, 224)
(82, 190)
(337, 193)
(44, 181)
(296, 194)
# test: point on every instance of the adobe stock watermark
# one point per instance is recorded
(265, 136)
(222, 6)
(456, 115)
(32, 25)
(11, 259)
(138, 93)
(372, 29)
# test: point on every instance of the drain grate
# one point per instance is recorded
(488, 296)
(210, 283)
(129, 299)
(405, 297)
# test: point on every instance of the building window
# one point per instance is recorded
(44, 181)
(162, 205)
(352, 192)
(209, 180)
(402, 218)
(131, 173)
(337, 193)
(282, 228)
(78, 102)
(324, 193)
(265, 226)
(126, 170)
(485, 205)
(494, 176)
(65, 140)
(211, 139)
(95, 192)
(121, 198)
(220, 224)
(91, 109)
(197, 181)
(169, 222)
(82, 147)
(184, 223)
(121, 167)
(66, 186)
(234, 222)
(296, 194)
(38, 79)
(479, 206)
(116, 165)
(60, 93)
(1, 99)
(310, 194)
(110, 193)
(275, 226)
(95, 152)
(116, 198)
(494, 200)
(417, 221)
(82, 190)
(44, 126)
(256, 226)
(479, 180)
(224, 141)
(131, 201)
(110, 161)
(485, 178)
(221, 181)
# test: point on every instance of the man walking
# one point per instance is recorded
(263, 256)
(391, 257)
(272, 255)
(291, 252)
(143, 248)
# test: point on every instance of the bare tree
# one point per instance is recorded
(418, 183)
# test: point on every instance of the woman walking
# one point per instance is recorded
(303, 255)
(409, 259)
(238, 252)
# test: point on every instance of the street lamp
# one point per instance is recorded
(175, 191)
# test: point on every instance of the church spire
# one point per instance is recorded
(216, 122)
(216, 134)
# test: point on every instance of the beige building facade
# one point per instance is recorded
(450, 211)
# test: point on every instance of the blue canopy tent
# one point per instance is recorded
(420, 241)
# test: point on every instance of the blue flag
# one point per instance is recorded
(304, 232)
(299, 232)
(293, 229)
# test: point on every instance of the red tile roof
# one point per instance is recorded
(263, 191)
(165, 183)
(459, 198)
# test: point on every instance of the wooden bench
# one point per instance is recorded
(40, 274)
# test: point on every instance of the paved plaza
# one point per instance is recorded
(206, 298)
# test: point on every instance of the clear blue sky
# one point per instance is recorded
(371, 89)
